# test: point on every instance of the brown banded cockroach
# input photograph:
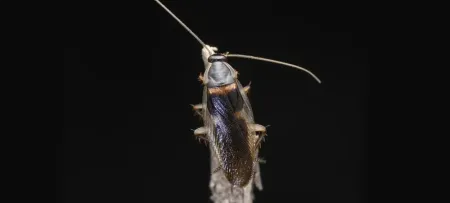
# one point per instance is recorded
(229, 126)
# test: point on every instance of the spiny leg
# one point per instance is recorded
(201, 134)
(200, 78)
(261, 161)
(247, 88)
(198, 109)
(261, 130)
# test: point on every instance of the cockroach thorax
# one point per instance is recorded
(219, 74)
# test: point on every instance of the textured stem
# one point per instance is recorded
(222, 191)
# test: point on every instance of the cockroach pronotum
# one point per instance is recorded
(229, 126)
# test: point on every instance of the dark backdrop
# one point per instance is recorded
(130, 73)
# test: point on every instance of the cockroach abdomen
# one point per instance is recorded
(231, 133)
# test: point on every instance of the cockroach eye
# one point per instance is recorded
(217, 57)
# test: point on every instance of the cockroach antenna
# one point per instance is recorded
(212, 49)
(182, 24)
(274, 61)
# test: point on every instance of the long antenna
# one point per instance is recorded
(273, 61)
(234, 55)
(182, 24)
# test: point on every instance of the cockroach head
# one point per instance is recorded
(217, 57)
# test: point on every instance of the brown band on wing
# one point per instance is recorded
(238, 114)
(222, 90)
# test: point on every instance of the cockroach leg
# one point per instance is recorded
(200, 77)
(257, 128)
(200, 131)
(261, 160)
(261, 130)
(260, 138)
(198, 108)
(247, 88)
(201, 134)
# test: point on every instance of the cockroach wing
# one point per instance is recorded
(247, 109)
(250, 140)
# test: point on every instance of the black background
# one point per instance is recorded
(130, 73)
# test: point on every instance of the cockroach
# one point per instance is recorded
(229, 126)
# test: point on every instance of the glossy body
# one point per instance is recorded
(228, 119)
